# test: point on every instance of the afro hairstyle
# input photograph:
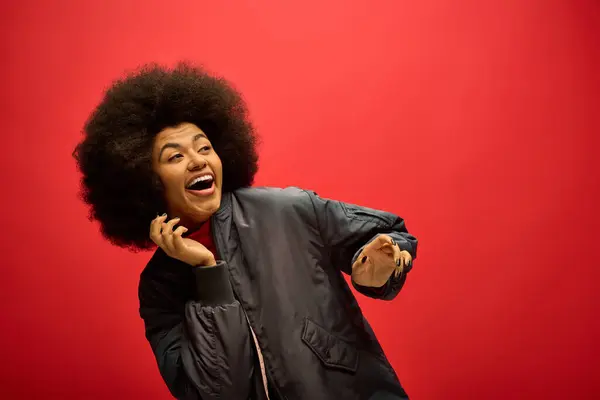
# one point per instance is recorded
(114, 157)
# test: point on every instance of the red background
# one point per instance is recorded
(475, 121)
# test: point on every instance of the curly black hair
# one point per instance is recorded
(118, 183)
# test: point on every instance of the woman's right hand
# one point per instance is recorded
(187, 250)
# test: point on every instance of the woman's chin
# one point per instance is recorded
(202, 212)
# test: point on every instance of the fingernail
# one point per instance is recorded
(393, 242)
(364, 259)
(397, 262)
(164, 215)
(410, 264)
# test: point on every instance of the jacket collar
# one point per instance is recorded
(224, 207)
(221, 225)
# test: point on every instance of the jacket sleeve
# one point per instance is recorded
(203, 351)
(346, 228)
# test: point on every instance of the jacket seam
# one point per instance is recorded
(316, 215)
(214, 346)
(352, 215)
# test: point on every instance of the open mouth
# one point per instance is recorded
(201, 184)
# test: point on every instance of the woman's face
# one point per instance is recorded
(191, 173)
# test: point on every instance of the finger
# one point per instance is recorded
(171, 224)
(155, 225)
(167, 233)
(398, 259)
(360, 263)
(398, 255)
(381, 241)
(398, 272)
(401, 263)
(155, 229)
(178, 243)
(407, 259)
(180, 230)
(406, 262)
(388, 249)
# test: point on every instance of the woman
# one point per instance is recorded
(244, 297)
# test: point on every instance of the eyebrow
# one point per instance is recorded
(177, 145)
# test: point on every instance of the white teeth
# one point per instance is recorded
(200, 179)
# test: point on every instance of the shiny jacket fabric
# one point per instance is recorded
(282, 253)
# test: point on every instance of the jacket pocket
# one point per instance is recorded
(331, 350)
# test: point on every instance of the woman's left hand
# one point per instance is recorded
(378, 260)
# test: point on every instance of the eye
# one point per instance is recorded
(174, 157)
(204, 148)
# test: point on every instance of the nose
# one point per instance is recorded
(197, 163)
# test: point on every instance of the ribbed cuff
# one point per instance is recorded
(212, 285)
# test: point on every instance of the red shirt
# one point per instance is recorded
(204, 236)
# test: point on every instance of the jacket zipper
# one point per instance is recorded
(260, 356)
(263, 370)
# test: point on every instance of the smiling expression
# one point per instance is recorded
(190, 171)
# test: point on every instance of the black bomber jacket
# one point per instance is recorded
(276, 311)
